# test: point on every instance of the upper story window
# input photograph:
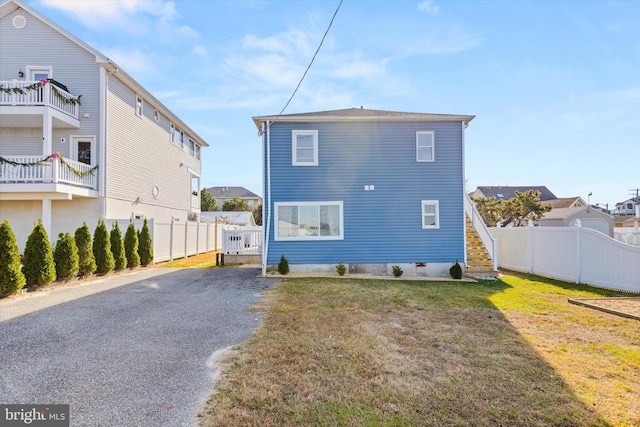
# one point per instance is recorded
(309, 221)
(139, 104)
(197, 155)
(425, 146)
(177, 136)
(192, 147)
(156, 116)
(305, 148)
(430, 214)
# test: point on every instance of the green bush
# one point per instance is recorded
(283, 265)
(397, 271)
(84, 243)
(11, 277)
(102, 249)
(146, 245)
(341, 268)
(456, 271)
(131, 246)
(117, 248)
(66, 257)
(38, 266)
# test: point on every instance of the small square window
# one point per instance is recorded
(305, 148)
(425, 146)
(430, 214)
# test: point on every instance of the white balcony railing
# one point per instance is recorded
(32, 93)
(33, 169)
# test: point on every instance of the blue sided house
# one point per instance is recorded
(370, 188)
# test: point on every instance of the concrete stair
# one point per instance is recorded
(479, 262)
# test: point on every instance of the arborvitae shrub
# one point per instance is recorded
(102, 249)
(84, 243)
(38, 266)
(117, 247)
(131, 246)
(283, 265)
(341, 268)
(397, 271)
(145, 250)
(456, 271)
(11, 277)
(65, 256)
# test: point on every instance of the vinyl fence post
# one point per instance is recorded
(171, 239)
(530, 235)
(578, 251)
(186, 238)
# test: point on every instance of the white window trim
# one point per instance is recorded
(294, 159)
(31, 69)
(433, 146)
(430, 203)
(276, 230)
(139, 106)
(73, 140)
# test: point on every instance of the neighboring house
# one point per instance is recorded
(80, 139)
(566, 202)
(233, 218)
(589, 218)
(369, 188)
(506, 192)
(628, 207)
(222, 194)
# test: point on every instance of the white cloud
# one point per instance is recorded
(200, 50)
(113, 12)
(290, 43)
(429, 7)
(132, 61)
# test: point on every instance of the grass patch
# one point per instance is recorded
(413, 353)
(207, 260)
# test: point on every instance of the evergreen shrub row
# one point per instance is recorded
(77, 255)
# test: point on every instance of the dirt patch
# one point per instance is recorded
(622, 306)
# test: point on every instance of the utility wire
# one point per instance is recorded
(310, 63)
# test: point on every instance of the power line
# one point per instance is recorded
(310, 63)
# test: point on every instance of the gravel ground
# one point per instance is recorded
(134, 354)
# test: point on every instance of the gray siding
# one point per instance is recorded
(384, 225)
(140, 154)
(40, 45)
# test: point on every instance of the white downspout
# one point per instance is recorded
(265, 246)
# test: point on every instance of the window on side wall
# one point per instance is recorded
(139, 105)
(430, 214)
(305, 148)
(309, 221)
(425, 146)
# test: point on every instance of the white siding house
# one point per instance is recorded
(80, 139)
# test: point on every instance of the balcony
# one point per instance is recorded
(23, 103)
(36, 177)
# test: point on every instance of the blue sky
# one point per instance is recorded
(554, 85)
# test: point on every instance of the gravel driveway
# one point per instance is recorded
(134, 354)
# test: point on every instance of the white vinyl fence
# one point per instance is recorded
(175, 239)
(574, 254)
(628, 235)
